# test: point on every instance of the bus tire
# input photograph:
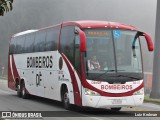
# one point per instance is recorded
(65, 99)
(24, 93)
(116, 109)
(19, 92)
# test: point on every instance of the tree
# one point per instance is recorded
(5, 6)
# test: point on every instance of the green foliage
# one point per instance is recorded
(5, 6)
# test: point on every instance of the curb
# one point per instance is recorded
(150, 100)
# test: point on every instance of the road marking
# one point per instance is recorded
(137, 109)
(96, 118)
(93, 117)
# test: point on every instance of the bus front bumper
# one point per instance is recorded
(105, 102)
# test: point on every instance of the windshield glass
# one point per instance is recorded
(127, 49)
(111, 53)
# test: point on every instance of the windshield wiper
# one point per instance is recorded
(117, 75)
(105, 73)
(128, 77)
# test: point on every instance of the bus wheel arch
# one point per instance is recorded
(116, 109)
(65, 96)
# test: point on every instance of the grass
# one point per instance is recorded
(151, 100)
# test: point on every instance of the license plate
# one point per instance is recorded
(116, 101)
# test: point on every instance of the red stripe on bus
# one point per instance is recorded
(11, 83)
(77, 97)
(15, 71)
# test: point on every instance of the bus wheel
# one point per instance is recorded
(65, 100)
(116, 109)
(24, 93)
(19, 92)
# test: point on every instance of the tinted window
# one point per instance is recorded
(29, 43)
(12, 46)
(52, 38)
(39, 44)
(77, 54)
(67, 42)
(19, 44)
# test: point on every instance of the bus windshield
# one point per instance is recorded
(112, 52)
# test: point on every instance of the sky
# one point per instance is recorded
(34, 14)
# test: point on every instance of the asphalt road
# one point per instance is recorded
(9, 101)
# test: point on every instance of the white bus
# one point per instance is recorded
(85, 63)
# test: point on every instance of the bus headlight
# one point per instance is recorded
(139, 92)
(90, 92)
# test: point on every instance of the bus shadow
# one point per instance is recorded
(101, 112)
(42, 100)
(78, 111)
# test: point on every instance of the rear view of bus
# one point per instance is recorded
(85, 63)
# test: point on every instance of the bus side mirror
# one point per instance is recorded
(149, 42)
(82, 41)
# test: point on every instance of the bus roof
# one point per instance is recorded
(99, 24)
(24, 32)
(85, 24)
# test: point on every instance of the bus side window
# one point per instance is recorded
(77, 54)
(19, 45)
(52, 38)
(39, 44)
(12, 46)
(67, 42)
(28, 48)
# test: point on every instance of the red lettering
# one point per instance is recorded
(102, 87)
(123, 87)
(116, 87)
(106, 87)
(111, 87)
(127, 87)
(95, 82)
